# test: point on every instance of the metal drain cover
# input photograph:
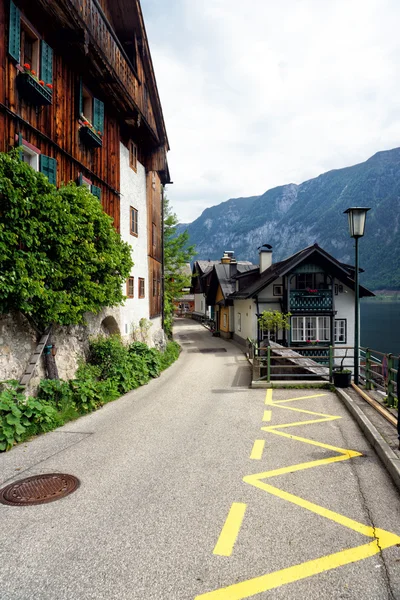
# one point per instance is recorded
(38, 489)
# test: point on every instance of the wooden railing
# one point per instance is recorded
(108, 43)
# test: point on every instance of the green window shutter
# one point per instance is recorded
(46, 62)
(19, 144)
(14, 33)
(98, 115)
(96, 191)
(80, 180)
(48, 166)
(80, 97)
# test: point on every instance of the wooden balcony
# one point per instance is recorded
(91, 33)
(304, 300)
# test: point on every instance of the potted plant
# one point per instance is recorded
(341, 376)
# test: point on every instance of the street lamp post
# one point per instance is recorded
(357, 217)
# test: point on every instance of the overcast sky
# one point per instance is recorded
(262, 93)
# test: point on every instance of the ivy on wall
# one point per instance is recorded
(59, 253)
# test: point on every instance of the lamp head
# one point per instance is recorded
(357, 216)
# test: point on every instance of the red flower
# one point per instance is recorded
(99, 132)
(49, 85)
(86, 123)
(27, 65)
(41, 82)
(33, 72)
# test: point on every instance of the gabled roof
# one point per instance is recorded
(343, 272)
(226, 281)
(205, 265)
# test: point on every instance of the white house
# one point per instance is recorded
(312, 285)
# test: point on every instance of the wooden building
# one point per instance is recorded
(78, 90)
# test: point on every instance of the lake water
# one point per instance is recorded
(380, 326)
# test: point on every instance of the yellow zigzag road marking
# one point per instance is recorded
(381, 539)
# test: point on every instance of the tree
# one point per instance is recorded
(60, 255)
(177, 253)
(272, 321)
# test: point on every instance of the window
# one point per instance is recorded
(133, 155)
(134, 221)
(91, 113)
(82, 180)
(38, 161)
(225, 320)
(340, 331)
(311, 329)
(201, 305)
(278, 290)
(130, 287)
(305, 280)
(141, 287)
(239, 317)
(29, 48)
(154, 286)
(154, 237)
(34, 57)
(30, 155)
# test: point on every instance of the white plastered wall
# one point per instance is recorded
(344, 305)
(200, 304)
(248, 320)
(133, 193)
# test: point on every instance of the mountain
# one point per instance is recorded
(291, 217)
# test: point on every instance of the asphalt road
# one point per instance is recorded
(187, 491)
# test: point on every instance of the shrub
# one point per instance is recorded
(22, 417)
(170, 355)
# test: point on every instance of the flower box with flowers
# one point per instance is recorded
(88, 133)
(34, 89)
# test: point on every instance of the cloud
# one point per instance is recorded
(269, 93)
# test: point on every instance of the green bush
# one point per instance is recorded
(170, 355)
(112, 369)
(22, 417)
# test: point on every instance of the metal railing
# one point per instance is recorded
(311, 301)
(378, 371)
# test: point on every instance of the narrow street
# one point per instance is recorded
(196, 487)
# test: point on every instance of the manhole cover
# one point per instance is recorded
(38, 489)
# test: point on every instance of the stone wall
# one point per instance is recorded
(18, 341)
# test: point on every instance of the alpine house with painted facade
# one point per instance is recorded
(78, 95)
(312, 285)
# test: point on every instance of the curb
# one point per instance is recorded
(382, 448)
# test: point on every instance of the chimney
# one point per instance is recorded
(227, 257)
(265, 257)
(233, 267)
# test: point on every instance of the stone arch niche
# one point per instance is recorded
(109, 326)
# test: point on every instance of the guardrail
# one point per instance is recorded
(377, 369)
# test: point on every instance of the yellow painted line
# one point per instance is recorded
(230, 530)
(267, 415)
(258, 449)
(270, 581)
(276, 402)
(381, 539)
(268, 397)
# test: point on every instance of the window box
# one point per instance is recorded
(90, 137)
(32, 90)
